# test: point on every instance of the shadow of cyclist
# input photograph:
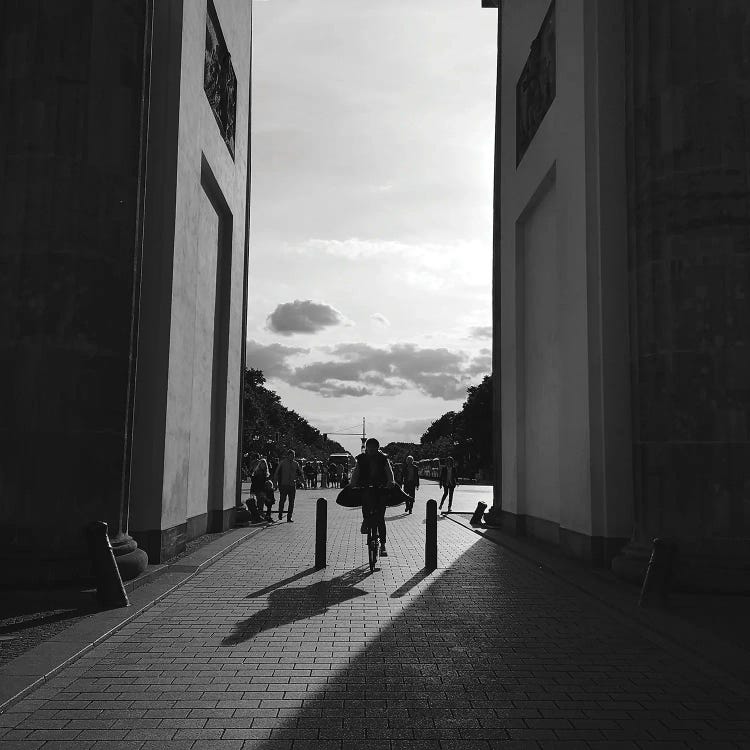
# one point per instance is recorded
(287, 605)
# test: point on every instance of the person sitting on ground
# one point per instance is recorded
(373, 470)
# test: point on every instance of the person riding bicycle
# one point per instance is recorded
(373, 470)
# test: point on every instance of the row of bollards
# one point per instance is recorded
(321, 533)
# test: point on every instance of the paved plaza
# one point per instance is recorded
(262, 651)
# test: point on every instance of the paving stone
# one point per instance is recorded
(261, 650)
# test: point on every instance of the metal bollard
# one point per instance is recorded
(109, 588)
(430, 542)
(656, 581)
(321, 531)
(476, 519)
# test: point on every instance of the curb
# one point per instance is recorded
(110, 621)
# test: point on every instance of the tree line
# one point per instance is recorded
(466, 435)
(269, 428)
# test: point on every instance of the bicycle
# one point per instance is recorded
(371, 519)
(373, 537)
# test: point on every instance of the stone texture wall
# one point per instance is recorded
(70, 85)
(689, 258)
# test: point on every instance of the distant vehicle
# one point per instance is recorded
(343, 459)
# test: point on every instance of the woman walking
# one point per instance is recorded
(448, 481)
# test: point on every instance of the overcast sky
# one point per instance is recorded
(371, 209)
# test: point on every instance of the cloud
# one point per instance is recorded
(481, 332)
(303, 316)
(432, 265)
(380, 318)
(360, 369)
(271, 358)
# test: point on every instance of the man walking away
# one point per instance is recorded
(285, 478)
(411, 481)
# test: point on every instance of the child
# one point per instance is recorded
(269, 499)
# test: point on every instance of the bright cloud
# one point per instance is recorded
(303, 316)
(380, 318)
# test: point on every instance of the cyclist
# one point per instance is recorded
(373, 469)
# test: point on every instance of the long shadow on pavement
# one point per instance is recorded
(491, 651)
(287, 605)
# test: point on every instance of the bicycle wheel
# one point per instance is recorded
(372, 548)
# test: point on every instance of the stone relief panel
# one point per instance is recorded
(535, 90)
(219, 79)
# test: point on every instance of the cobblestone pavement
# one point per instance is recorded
(261, 651)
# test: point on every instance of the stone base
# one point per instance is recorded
(131, 561)
(720, 566)
(597, 551)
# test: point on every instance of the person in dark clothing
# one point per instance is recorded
(448, 481)
(411, 481)
(373, 470)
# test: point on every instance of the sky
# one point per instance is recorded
(371, 209)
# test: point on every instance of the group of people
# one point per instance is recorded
(372, 470)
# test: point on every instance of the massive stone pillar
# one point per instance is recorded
(688, 120)
(71, 89)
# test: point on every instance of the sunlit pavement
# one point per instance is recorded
(262, 651)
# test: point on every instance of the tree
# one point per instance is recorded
(466, 435)
(270, 428)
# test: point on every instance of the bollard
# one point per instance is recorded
(109, 588)
(656, 581)
(321, 530)
(476, 519)
(430, 542)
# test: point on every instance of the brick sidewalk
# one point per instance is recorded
(261, 651)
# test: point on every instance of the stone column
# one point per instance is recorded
(688, 123)
(494, 514)
(70, 95)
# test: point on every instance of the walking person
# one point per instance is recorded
(410, 479)
(285, 479)
(448, 481)
(259, 473)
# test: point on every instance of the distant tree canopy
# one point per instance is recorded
(270, 428)
(466, 435)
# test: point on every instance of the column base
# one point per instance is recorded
(131, 561)
(718, 566)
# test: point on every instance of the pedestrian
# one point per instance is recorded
(410, 477)
(324, 475)
(285, 478)
(269, 499)
(258, 474)
(333, 474)
(448, 481)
